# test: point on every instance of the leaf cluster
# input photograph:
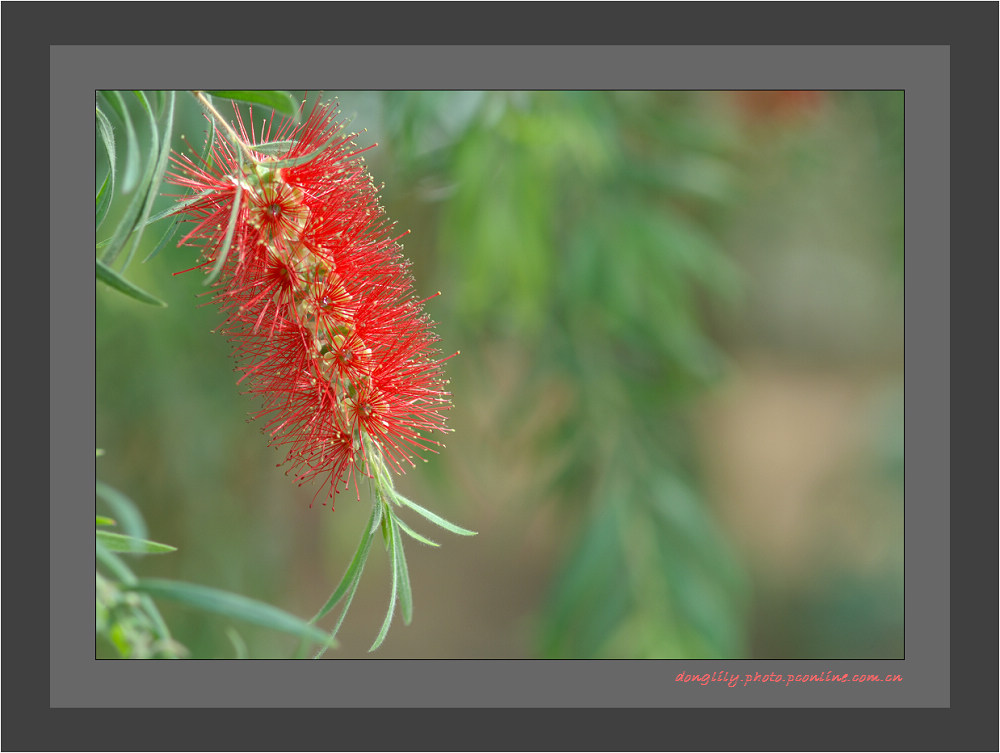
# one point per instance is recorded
(127, 615)
(582, 229)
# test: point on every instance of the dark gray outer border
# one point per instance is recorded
(922, 71)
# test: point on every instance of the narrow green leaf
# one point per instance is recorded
(386, 522)
(436, 519)
(179, 206)
(126, 225)
(207, 153)
(130, 175)
(378, 512)
(124, 509)
(145, 192)
(110, 277)
(280, 101)
(164, 239)
(117, 542)
(352, 573)
(413, 534)
(103, 521)
(227, 241)
(107, 191)
(308, 156)
(107, 136)
(392, 597)
(274, 147)
(230, 605)
(156, 167)
(103, 201)
(405, 593)
(206, 156)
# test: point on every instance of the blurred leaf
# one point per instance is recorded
(116, 542)
(279, 101)
(591, 595)
(230, 605)
(115, 565)
(124, 510)
(104, 521)
(110, 277)
(702, 580)
(239, 645)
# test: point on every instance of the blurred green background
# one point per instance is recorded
(677, 411)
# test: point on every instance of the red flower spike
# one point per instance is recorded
(318, 301)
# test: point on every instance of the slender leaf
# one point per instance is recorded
(130, 174)
(378, 512)
(433, 518)
(159, 167)
(413, 534)
(352, 573)
(239, 645)
(206, 156)
(126, 225)
(308, 156)
(107, 192)
(164, 239)
(110, 277)
(280, 101)
(392, 597)
(405, 593)
(227, 241)
(179, 206)
(230, 605)
(103, 200)
(124, 509)
(274, 147)
(116, 542)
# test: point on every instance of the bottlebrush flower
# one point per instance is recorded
(318, 299)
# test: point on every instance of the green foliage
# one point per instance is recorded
(384, 518)
(127, 617)
(111, 278)
(230, 605)
(117, 542)
(583, 226)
